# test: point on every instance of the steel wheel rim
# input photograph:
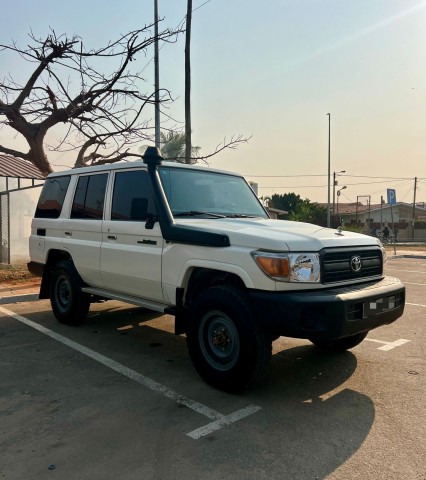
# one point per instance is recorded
(63, 293)
(219, 340)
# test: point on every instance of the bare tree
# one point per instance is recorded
(95, 93)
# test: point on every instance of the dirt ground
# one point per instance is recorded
(16, 274)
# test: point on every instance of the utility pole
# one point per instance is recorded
(157, 77)
(414, 203)
(334, 186)
(188, 127)
(328, 190)
(334, 190)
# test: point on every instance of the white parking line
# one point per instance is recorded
(411, 283)
(389, 345)
(220, 420)
(415, 304)
(216, 425)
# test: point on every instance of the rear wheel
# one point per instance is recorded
(69, 304)
(227, 347)
(341, 344)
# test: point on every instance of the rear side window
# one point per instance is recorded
(89, 197)
(52, 197)
(132, 199)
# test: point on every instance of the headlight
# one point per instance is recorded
(289, 267)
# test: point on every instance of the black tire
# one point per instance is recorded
(341, 344)
(69, 304)
(226, 345)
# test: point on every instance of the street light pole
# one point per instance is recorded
(334, 190)
(339, 192)
(334, 186)
(188, 126)
(157, 77)
(328, 175)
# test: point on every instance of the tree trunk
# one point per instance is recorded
(37, 155)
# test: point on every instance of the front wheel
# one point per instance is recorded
(341, 344)
(69, 304)
(227, 347)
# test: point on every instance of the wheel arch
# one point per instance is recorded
(195, 281)
(53, 257)
(199, 279)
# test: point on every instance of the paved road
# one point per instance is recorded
(119, 399)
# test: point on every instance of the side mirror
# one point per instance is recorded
(150, 221)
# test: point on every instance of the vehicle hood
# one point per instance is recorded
(279, 235)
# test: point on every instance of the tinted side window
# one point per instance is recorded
(89, 197)
(132, 198)
(52, 197)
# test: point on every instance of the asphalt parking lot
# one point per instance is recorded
(118, 398)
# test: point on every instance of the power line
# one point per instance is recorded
(179, 25)
(322, 186)
(283, 176)
(202, 5)
(323, 175)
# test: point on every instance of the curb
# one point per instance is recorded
(19, 298)
(405, 255)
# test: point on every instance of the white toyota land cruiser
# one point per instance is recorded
(197, 244)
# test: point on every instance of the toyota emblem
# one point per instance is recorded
(356, 264)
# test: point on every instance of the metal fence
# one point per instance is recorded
(4, 228)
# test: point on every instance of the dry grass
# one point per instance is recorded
(16, 274)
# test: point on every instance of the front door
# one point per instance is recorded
(131, 253)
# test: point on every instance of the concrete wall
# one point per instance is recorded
(22, 208)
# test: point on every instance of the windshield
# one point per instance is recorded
(197, 193)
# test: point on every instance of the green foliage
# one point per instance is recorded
(353, 228)
(300, 210)
(173, 146)
(287, 202)
(309, 212)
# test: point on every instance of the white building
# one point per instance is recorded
(398, 216)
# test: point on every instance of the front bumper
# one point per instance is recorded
(330, 314)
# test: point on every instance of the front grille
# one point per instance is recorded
(336, 264)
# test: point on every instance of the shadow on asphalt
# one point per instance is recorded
(310, 422)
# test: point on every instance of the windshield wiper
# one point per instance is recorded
(239, 215)
(195, 213)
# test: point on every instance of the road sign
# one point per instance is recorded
(391, 196)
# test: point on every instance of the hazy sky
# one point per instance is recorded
(273, 70)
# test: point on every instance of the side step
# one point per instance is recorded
(149, 304)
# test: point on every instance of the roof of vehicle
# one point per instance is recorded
(133, 164)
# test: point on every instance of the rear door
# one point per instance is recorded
(131, 251)
(82, 231)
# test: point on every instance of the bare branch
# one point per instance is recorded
(233, 143)
(15, 153)
(95, 92)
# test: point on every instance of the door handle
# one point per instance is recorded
(147, 242)
(68, 233)
(112, 237)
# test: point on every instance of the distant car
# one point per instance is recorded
(196, 243)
